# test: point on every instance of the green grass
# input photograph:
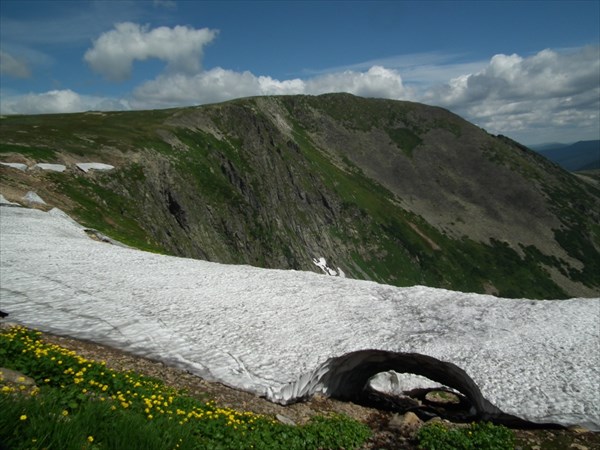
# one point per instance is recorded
(101, 208)
(39, 153)
(477, 436)
(405, 139)
(83, 404)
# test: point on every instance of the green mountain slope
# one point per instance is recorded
(395, 192)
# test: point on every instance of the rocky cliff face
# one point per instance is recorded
(396, 192)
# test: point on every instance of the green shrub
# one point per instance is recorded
(477, 436)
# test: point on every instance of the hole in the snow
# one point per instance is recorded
(403, 392)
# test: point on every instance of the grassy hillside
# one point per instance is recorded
(396, 192)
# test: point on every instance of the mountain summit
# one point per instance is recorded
(396, 192)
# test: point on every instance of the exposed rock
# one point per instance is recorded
(442, 398)
(285, 420)
(407, 423)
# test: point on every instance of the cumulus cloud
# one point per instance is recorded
(58, 101)
(181, 47)
(545, 91)
(376, 82)
(219, 85)
(13, 67)
(547, 74)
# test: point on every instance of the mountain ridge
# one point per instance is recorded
(578, 156)
(396, 192)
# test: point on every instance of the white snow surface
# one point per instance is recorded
(51, 167)
(18, 166)
(32, 197)
(321, 263)
(271, 332)
(86, 167)
(398, 383)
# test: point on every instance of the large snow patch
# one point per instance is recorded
(286, 334)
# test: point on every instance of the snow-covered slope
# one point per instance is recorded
(286, 334)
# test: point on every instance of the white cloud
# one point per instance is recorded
(13, 67)
(376, 82)
(58, 101)
(210, 86)
(181, 47)
(417, 69)
(549, 91)
(218, 84)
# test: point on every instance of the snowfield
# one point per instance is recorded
(285, 334)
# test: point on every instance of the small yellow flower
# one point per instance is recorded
(65, 412)
(23, 417)
(90, 439)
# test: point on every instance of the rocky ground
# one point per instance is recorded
(390, 430)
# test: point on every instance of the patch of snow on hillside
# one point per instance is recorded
(86, 167)
(51, 167)
(17, 166)
(32, 197)
(273, 332)
(321, 263)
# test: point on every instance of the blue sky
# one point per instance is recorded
(529, 70)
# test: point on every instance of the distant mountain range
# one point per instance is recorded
(582, 155)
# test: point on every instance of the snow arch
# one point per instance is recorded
(344, 378)
(348, 375)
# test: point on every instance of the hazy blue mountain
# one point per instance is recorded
(582, 155)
